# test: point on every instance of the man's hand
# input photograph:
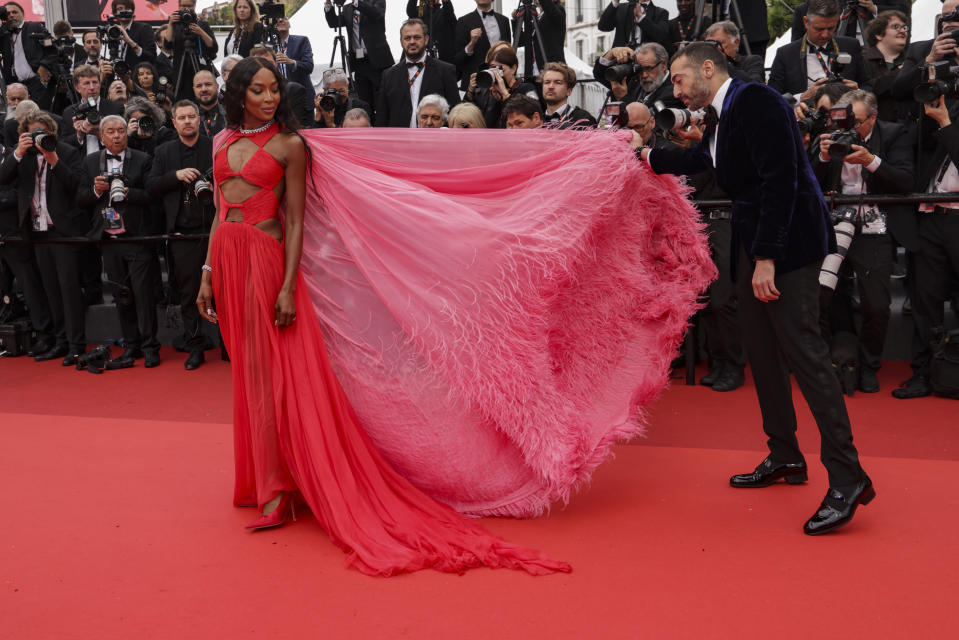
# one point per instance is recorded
(100, 185)
(868, 4)
(860, 155)
(132, 126)
(764, 280)
(938, 112)
(44, 74)
(195, 29)
(809, 94)
(942, 47)
(824, 143)
(693, 133)
(639, 11)
(51, 157)
(498, 89)
(852, 84)
(24, 144)
(188, 175)
(82, 125)
(282, 58)
(801, 110)
(621, 55)
(618, 87)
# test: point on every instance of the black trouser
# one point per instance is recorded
(91, 274)
(870, 258)
(724, 340)
(23, 265)
(188, 259)
(783, 336)
(366, 81)
(133, 266)
(59, 266)
(937, 272)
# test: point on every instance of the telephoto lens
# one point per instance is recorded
(44, 140)
(147, 125)
(117, 191)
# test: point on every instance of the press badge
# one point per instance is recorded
(112, 220)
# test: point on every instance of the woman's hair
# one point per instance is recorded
(146, 107)
(878, 25)
(505, 55)
(239, 81)
(468, 114)
(494, 48)
(254, 15)
(136, 74)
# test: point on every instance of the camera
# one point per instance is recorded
(614, 114)
(331, 99)
(270, 10)
(89, 110)
(845, 222)
(4, 14)
(117, 187)
(673, 119)
(486, 76)
(620, 72)
(202, 188)
(147, 125)
(815, 123)
(942, 79)
(187, 17)
(95, 360)
(846, 136)
(43, 140)
(837, 66)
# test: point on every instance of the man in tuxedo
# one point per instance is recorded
(551, 24)
(755, 26)
(558, 83)
(802, 67)
(131, 267)
(23, 59)
(294, 58)
(164, 61)
(651, 84)
(522, 112)
(337, 80)
(635, 23)
(883, 165)
(781, 233)
(296, 92)
(414, 77)
(78, 130)
(46, 189)
(364, 22)
(212, 112)
(137, 42)
(177, 166)
(440, 21)
(475, 33)
(726, 36)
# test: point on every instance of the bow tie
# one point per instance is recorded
(710, 118)
(814, 49)
(487, 14)
(410, 65)
(554, 117)
(110, 156)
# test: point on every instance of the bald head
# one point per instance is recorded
(641, 120)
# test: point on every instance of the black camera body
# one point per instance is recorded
(43, 140)
(270, 10)
(942, 79)
(486, 76)
(187, 17)
(331, 99)
(815, 123)
(838, 65)
(620, 72)
(846, 135)
(88, 109)
(203, 187)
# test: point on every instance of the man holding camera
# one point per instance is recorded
(369, 53)
(415, 76)
(136, 41)
(180, 177)
(45, 171)
(726, 36)
(24, 59)
(635, 23)
(803, 66)
(642, 76)
(440, 21)
(81, 120)
(194, 46)
(881, 162)
(334, 101)
(475, 33)
(112, 191)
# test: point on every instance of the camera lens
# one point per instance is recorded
(146, 124)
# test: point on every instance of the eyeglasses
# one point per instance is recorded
(641, 125)
(643, 69)
(900, 27)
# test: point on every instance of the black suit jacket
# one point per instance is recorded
(142, 34)
(676, 35)
(301, 102)
(789, 74)
(69, 134)
(748, 68)
(893, 144)
(443, 26)
(246, 41)
(577, 117)
(31, 48)
(162, 183)
(761, 162)
(62, 181)
(799, 28)
(11, 130)
(654, 27)
(552, 26)
(467, 64)
(372, 30)
(299, 49)
(393, 105)
(138, 217)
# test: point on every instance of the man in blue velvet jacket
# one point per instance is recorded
(781, 233)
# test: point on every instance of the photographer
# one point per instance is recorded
(111, 190)
(24, 59)
(558, 83)
(145, 125)
(726, 35)
(522, 112)
(212, 111)
(878, 160)
(63, 29)
(135, 43)
(641, 120)
(550, 17)
(180, 177)
(81, 121)
(194, 46)
(364, 22)
(635, 23)
(146, 86)
(247, 29)
(475, 33)
(335, 92)
(801, 67)
(164, 61)
(91, 49)
(642, 76)
(46, 179)
(500, 82)
(682, 28)
(887, 36)
(440, 21)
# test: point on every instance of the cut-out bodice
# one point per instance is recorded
(261, 170)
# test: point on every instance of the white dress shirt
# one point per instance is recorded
(416, 79)
(38, 206)
(490, 26)
(717, 103)
(874, 221)
(20, 64)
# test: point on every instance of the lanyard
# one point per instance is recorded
(209, 122)
(416, 75)
(685, 32)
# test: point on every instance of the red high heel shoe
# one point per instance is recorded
(276, 517)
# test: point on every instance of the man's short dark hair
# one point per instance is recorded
(878, 25)
(832, 90)
(413, 22)
(83, 38)
(85, 71)
(700, 52)
(62, 28)
(182, 104)
(126, 4)
(522, 104)
(822, 8)
(18, 6)
(569, 76)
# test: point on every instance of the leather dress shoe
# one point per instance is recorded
(769, 472)
(130, 354)
(38, 347)
(72, 358)
(194, 361)
(51, 354)
(714, 374)
(915, 387)
(731, 379)
(151, 358)
(868, 383)
(838, 508)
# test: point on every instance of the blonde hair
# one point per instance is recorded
(466, 113)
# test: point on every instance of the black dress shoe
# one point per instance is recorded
(194, 361)
(915, 387)
(868, 383)
(732, 378)
(51, 354)
(39, 347)
(130, 354)
(838, 508)
(72, 358)
(151, 358)
(714, 374)
(769, 472)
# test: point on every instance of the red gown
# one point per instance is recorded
(294, 428)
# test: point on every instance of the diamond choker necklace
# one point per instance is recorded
(258, 129)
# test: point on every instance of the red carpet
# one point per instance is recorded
(118, 524)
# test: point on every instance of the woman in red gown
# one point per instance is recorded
(294, 429)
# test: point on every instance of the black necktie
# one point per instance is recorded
(710, 118)
(110, 156)
(410, 65)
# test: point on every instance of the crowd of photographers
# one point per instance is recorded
(111, 136)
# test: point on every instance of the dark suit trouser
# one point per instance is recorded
(59, 266)
(937, 272)
(366, 80)
(724, 341)
(23, 265)
(783, 336)
(134, 265)
(188, 259)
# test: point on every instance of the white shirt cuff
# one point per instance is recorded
(16, 157)
(606, 62)
(872, 166)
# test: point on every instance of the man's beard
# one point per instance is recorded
(414, 56)
(209, 102)
(649, 85)
(698, 97)
(554, 102)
